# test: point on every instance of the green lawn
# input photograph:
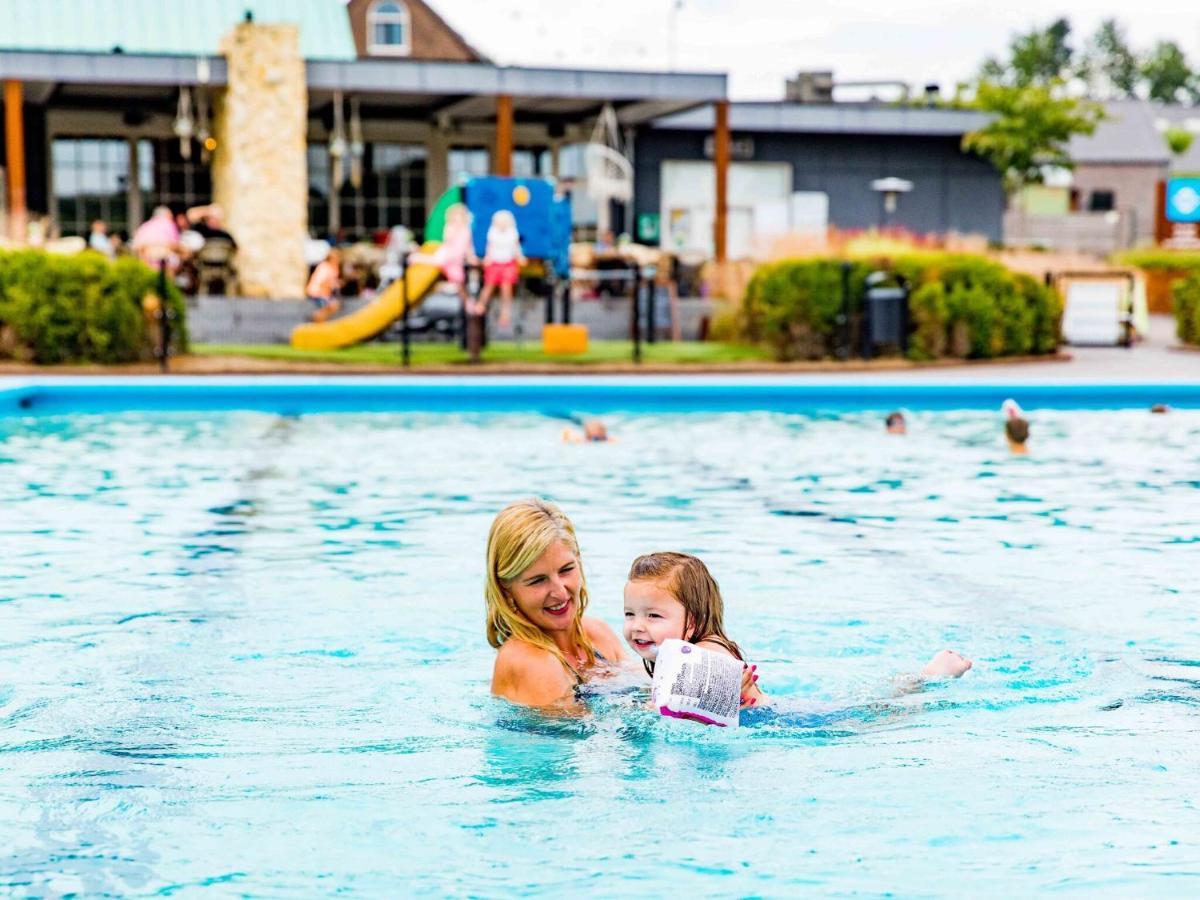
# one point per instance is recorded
(684, 353)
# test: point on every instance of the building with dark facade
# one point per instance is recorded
(830, 154)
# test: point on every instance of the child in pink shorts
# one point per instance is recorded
(501, 264)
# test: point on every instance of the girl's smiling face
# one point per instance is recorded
(652, 616)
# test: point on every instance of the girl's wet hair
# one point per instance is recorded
(688, 580)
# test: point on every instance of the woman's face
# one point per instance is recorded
(547, 593)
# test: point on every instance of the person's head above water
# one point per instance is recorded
(1016, 430)
(672, 595)
(535, 588)
(594, 430)
(895, 423)
(1016, 426)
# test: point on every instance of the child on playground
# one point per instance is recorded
(324, 285)
(501, 265)
(456, 251)
(673, 595)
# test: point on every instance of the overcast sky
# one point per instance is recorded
(760, 42)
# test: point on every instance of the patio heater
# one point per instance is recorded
(890, 189)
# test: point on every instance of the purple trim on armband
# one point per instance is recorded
(667, 711)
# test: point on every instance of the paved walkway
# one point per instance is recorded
(1156, 359)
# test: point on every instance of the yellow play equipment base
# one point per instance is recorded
(363, 324)
(561, 340)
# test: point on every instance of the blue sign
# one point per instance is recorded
(1183, 199)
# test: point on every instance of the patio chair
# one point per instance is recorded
(215, 264)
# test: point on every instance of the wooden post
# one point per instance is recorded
(14, 137)
(721, 161)
(502, 164)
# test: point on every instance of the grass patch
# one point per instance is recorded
(423, 354)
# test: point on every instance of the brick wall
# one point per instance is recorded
(1134, 189)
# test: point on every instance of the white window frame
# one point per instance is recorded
(401, 18)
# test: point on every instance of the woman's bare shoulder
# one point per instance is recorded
(529, 675)
(604, 638)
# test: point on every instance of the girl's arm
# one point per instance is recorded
(752, 694)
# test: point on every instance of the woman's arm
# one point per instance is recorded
(530, 676)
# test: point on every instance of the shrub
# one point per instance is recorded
(929, 317)
(83, 308)
(1155, 260)
(1187, 309)
(961, 305)
(794, 306)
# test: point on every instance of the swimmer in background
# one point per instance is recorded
(673, 595)
(1016, 428)
(895, 423)
(1160, 408)
(594, 432)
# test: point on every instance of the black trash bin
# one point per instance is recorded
(885, 313)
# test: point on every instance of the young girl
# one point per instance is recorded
(673, 595)
(455, 250)
(501, 264)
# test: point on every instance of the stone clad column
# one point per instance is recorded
(260, 166)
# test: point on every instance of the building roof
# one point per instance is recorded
(832, 118)
(1127, 136)
(170, 27)
(404, 88)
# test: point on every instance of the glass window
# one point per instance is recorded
(392, 191)
(531, 162)
(175, 182)
(1103, 201)
(90, 177)
(464, 162)
(388, 25)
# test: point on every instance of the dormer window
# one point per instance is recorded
(389, 29)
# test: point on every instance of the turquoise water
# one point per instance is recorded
(243, 654)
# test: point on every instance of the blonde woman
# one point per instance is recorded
(536, 595)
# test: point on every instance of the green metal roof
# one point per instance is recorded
(171, 27)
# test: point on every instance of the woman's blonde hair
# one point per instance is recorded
(520, 533)
(688, 580)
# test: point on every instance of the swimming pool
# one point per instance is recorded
(242, 652)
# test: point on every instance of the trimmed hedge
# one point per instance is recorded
(961, 306)
(83, 308)
(1187, 309)
(1156, 260)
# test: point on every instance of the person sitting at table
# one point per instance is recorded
(206, 221)
(157, 239)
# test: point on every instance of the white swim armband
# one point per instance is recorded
(693, 683)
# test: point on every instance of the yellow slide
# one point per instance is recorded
(365, 323)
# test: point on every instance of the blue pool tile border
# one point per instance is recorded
(584, 394)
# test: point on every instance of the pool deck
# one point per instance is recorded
(1157, 360)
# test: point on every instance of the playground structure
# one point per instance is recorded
(543, 222)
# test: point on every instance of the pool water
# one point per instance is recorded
(244, 654)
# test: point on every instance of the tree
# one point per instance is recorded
(1108, 59)
(1179, 140)
(1031, 128)
(1040, 56)
(1167, 73)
